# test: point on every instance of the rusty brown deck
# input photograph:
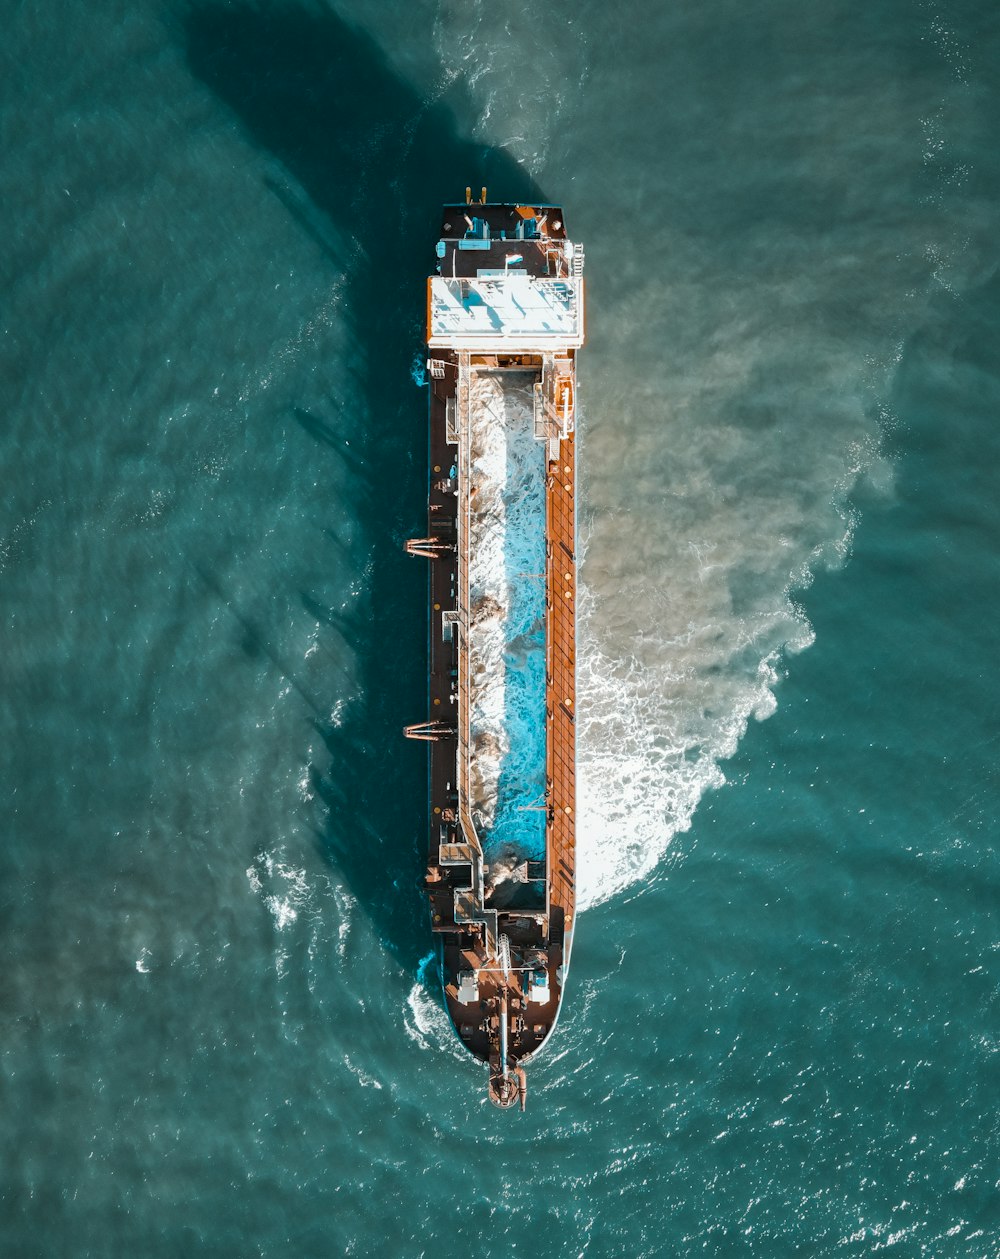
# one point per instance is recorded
(561, 680)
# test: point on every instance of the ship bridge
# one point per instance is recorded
(504, 311)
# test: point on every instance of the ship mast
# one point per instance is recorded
(507, 1084)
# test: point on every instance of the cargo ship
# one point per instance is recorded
(505, 318)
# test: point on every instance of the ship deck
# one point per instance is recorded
(443, 523)
(560, 650)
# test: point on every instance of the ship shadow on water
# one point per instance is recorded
(369, 162)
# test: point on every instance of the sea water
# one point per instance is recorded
(222, 1032)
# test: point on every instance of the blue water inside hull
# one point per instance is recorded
(519, 823)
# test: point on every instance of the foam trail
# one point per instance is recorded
(654, 723)
(638, 782)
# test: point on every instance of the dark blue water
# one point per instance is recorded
(221, 1033)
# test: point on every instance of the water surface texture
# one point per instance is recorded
(221, 1030)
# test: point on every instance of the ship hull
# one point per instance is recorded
(502, 340)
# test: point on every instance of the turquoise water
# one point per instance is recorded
(221, 1035)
